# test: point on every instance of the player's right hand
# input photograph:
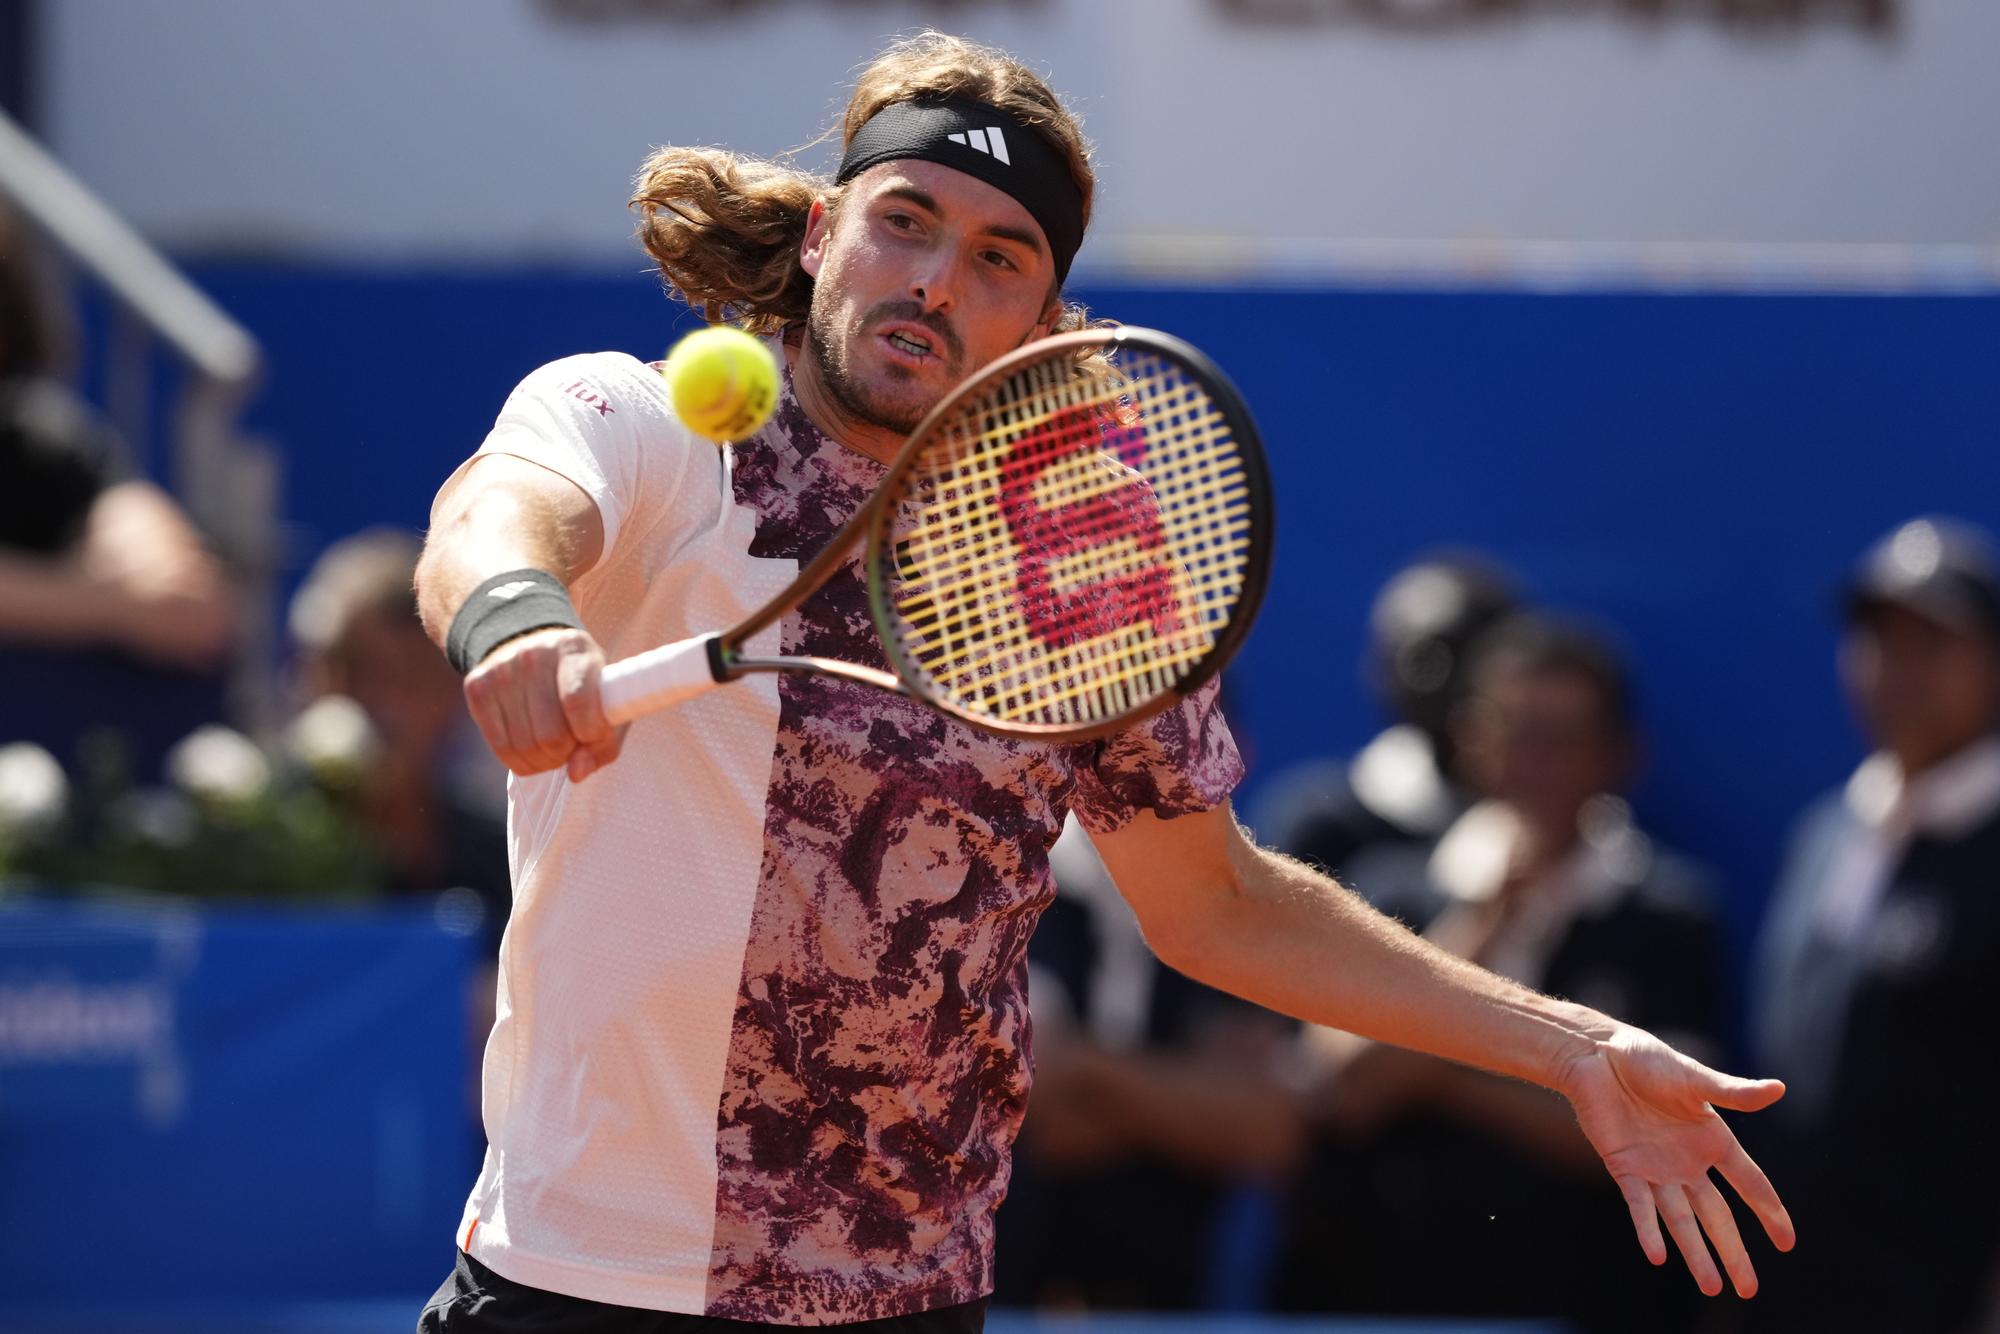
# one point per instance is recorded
(537, 702)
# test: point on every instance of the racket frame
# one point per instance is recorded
(879, 550)
(723, 651)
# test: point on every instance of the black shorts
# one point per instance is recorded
(475, 1300)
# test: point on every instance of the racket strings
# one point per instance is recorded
(1071, 545)
(1100, 671)
(1107, 678)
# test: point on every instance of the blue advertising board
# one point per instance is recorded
(216, 1104)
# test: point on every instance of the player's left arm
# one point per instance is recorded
(1252, 922)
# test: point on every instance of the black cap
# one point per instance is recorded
(1942, 569)
(1422, 627)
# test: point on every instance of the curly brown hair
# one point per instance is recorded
(725, 229)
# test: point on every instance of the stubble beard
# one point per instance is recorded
(829, 346)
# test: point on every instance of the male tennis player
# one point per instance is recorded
(762, 1045)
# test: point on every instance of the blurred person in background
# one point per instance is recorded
(90, 557)
(1444, 1190)
(424, 793)
(1877, 987)
(354, 621)
(1159, 1124)
(1400, 789)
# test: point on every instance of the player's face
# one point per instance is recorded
(922, 275)
(1924, 691)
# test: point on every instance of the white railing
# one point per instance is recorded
(228, 481)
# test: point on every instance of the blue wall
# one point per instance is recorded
(1694, 470)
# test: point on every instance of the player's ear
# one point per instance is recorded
(1047, 323)
(812, 250)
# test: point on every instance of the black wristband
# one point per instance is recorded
(505, 607)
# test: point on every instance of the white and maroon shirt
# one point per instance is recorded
(762, 1040)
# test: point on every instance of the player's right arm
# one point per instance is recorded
(534, 697)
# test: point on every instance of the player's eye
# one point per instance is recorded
(1000, 259)
(902, 222)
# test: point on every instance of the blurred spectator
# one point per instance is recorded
(1158, 1121)
(88, 556)
(429, 796)
(355, 622)
(1398, 790)
(1879, 979)
(114, 616)
(1446, 1191)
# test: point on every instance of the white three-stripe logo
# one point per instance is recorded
(987, 141)
(508, 592)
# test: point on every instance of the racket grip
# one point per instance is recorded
(659, 678)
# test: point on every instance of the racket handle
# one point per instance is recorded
(659, 678)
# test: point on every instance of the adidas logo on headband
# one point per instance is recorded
(979, 139)
(1018, 160)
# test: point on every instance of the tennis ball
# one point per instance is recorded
(724, 382)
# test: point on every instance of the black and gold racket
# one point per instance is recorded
(1058, 551)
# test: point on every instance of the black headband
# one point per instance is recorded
(982, 141)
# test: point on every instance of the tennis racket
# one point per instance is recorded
(1058, 551)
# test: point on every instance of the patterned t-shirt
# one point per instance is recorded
(762, 1040)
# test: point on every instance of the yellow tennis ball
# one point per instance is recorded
(723, 382)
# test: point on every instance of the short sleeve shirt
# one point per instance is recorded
(762, 1041)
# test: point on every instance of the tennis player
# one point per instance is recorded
(762, 1040)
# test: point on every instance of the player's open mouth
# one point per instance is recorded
(913, 346)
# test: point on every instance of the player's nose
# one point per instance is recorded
(934, 282)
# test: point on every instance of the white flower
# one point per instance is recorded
(219, 764)
(334, 740)
(33, 790)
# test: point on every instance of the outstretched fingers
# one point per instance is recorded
(1645, 1218)
(1685, 1229)
(1660, 1135)
(1748, 1180)
(1720, 1225)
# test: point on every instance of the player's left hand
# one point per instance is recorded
(1650, 1113)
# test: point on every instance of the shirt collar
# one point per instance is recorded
(1470, 861)
(1948, 799)
(1396, 776)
